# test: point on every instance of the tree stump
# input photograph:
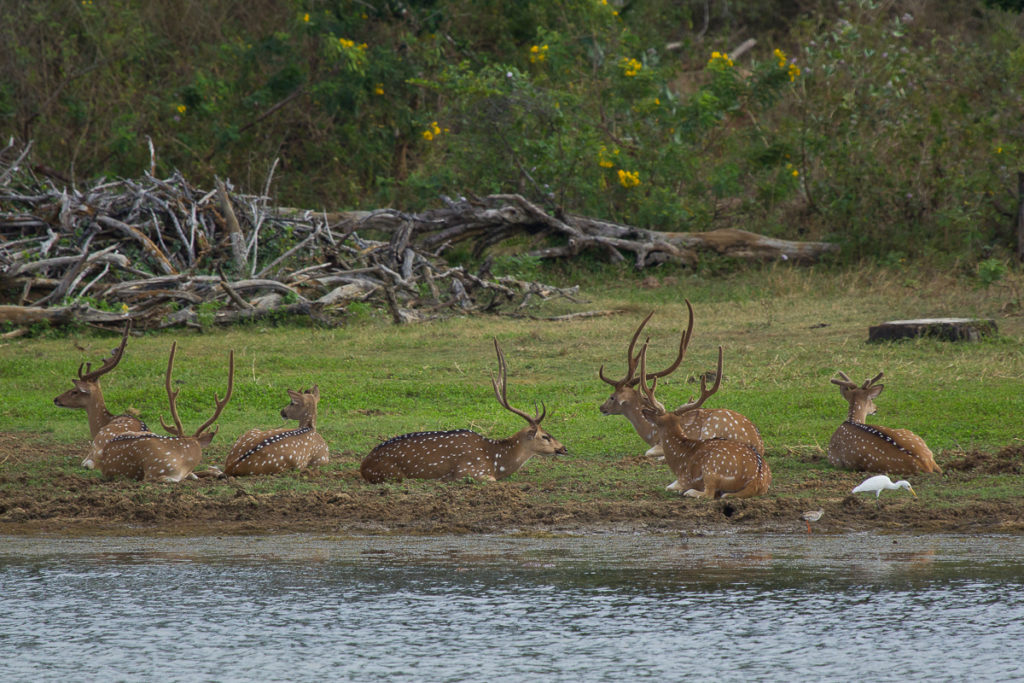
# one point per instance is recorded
(948, 329)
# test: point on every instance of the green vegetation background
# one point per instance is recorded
(891, 127)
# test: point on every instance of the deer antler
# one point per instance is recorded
(844, 382)
(500, 389)
(705, 394)
(108, 364)
(172, 396)
(648, 390)
(869, 383)
(631, 360)
(684, 341)
(227, 397)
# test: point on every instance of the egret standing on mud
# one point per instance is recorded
(880, 483)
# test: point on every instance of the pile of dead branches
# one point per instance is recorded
(163, 252)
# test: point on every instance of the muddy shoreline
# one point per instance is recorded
(47, 495)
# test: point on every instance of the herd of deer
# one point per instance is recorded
(712, 452)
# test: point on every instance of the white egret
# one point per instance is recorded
(880, 483)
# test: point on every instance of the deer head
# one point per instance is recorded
(861, 398)
(654, 410)
(541, 443)
(86, 392)
(625, 399)
(303, 406)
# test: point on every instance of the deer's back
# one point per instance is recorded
(428, 455)
(276, 450)
(148, 456)
(869, 448)
(722, 423)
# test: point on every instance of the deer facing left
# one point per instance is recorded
(462, 453)
(151, 457)
(103, 425)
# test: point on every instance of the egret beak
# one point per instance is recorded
(912, 491)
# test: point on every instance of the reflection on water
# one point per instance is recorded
(505, 608)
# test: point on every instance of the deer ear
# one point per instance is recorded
(315, 390)
(79, 384)
(532, 434)
(876, 390)
(293, 394)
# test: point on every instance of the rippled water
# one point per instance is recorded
(596, 608)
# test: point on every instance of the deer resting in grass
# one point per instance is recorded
(103, 425)
(151, 457)
(711, 423)
(260, 451)
(869, 448)
(462, 453)
(704, 468)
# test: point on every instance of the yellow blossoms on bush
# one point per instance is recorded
(629, 178)
(604, 159)
(538, 53)
(432, 131)
(182, 108)
(792, 70)
(720, 60)
(630, 66)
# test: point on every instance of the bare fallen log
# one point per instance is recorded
(163, 252)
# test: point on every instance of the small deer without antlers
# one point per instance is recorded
(270, 451)
(148, 456)
(462, 453)
(704, 468)
(103, 425)
(869, 448)
(712, 423)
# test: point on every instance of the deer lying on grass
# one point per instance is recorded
(151, 457)
(712, 423)
(704, 468)
(271, 451)
(869, 448)
(103, 425)
(462, 453)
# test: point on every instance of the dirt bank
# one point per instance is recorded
(43, 491)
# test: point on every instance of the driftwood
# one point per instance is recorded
(163, 252)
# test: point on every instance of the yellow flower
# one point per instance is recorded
(379, 89)
(182, 108)
(720, 59)
(999, 150)
(795, 173)
(305, 17)
(346, 42)
(427, 135)
(124, 308)
(602, 157)
(794, 71)
(629, 178)
(630, 66)
(538, 53)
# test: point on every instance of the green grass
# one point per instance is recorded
(785, 333)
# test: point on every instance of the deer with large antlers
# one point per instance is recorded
(462, 453)
(103, 425)
(260, 451)
(709, 423)
(151, 457)
(869, 448)
(704, 468)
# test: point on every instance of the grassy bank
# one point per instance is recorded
(785, 333)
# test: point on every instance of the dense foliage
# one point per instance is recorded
(891, 127)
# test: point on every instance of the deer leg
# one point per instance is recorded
(656, 451)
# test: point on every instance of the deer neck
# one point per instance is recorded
(647, 430)
(858, 412)
(308, 420)
(675, 442)
(99, 416)
(510, 454)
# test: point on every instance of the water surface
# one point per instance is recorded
(485, 608)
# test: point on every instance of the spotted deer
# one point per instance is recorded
(103, 425)
(270, 451)
(869, 448)
(452, 455)
(704, 467)
(709, 423)
(151, 457)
